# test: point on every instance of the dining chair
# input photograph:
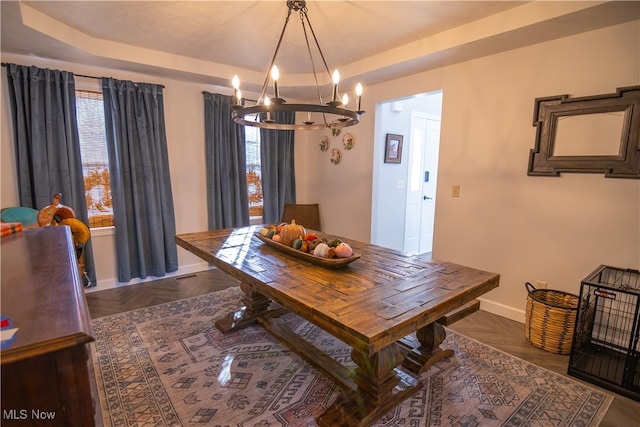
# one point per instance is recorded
(307, 215)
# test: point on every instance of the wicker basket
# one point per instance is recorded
(550, 319)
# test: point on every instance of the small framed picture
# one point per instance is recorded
(393, 150)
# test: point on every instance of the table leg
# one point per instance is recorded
(254, 305)
(419, 359)
(378, 390)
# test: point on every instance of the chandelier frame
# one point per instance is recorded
(260, 115)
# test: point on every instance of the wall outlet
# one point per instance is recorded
(541, 285)
(455, 192)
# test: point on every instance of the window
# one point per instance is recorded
(254, 174)
(95, 159)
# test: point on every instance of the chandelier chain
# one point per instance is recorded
(315, 39)
(273, 59)
(313, 65)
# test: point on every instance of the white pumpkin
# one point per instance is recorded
(321, 250)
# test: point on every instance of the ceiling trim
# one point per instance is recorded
(530, 23)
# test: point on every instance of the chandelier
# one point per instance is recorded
(332, 114)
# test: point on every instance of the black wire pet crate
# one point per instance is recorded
(605, 347)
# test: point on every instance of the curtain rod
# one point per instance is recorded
(244, 99)
(4, 64)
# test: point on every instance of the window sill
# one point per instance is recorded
(255, 220)
(103, 231)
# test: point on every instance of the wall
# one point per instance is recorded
(525, 228)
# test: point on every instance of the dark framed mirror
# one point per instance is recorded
(592, 134)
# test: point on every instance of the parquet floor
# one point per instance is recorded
(498, 332)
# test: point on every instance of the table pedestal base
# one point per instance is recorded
(375, 387)
(379, 388)
(255, 305)
(420, 359)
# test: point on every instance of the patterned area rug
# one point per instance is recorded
(168, 365)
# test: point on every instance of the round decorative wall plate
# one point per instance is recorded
(324, 143)
(348, 141)
(336, 156)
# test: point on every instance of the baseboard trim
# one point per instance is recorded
(113, 283)
(502, 310)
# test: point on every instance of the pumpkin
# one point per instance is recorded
(291, 232)
(321, 250)
(343, 250)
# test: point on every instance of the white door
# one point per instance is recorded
(421, 183)
(430, 168)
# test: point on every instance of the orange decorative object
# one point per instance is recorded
(54, 213)
(7, 228)
(79, 231)
(291, 232)
(58, 214)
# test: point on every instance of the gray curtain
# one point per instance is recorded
(47, 145)
(278, 170)
(225, 153)
(140, 180)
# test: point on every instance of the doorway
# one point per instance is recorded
(404, 194)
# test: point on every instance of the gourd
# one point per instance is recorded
(321, 250)
(297, 244)
(333, 243)
(343, 250)
(291, 232)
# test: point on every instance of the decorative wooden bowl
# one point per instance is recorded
(324, 262)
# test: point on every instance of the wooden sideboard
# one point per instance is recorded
(47, 375)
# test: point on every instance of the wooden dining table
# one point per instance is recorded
(384, 305)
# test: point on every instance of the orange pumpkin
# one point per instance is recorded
(291, 232)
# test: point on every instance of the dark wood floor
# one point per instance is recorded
(498, 332)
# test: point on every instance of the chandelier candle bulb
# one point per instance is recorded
(336, 79)
(275, 75)
(345, 102)
(358, 95)
(236, 89)
(267, 103)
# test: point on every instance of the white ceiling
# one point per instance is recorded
(210, 41)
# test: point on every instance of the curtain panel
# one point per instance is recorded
(140, 180)
(47, 144)
(226, 165)
(278, 168)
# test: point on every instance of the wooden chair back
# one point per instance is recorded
(307, 215)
